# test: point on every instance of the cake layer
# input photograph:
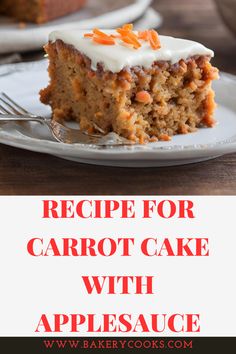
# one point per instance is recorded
(39, 11)
(117, 57)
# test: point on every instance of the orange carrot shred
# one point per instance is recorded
(100, 33)
(104, 40)
(122, 31)
(154, 40)
(116, 36)
(135, 40)
(143, 35)
(129, 41)
(128, 27)
(126, 35)
(129, 37)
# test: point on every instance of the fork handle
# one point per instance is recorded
(20, 118)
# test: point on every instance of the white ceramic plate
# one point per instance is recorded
(13, 39)
(23, 81)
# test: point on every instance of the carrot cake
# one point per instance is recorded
(140, 85)
(39, 11)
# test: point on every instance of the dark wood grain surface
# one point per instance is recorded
(23, 172)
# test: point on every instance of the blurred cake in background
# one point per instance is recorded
(227, 9)
(39, 11)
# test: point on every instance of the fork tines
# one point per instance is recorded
(8, 106)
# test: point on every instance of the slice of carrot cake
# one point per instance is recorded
(139, 85)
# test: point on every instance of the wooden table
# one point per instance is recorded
(23, 172)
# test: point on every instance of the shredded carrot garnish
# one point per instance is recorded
(103, 40)
(126, 35)
(116, 36)
(99, 33)
(122, 31)
(128, 27)
(100, 37)
(129, 41)
(130, 38)
(143, 35)
(154, 39)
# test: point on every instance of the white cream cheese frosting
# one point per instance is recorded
(116, 57)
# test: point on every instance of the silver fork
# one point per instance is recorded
(10, 111)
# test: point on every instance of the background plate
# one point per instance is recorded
(102, 13)
(16, 81)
